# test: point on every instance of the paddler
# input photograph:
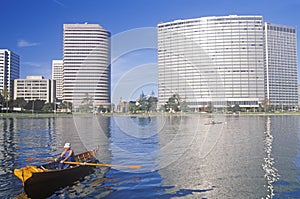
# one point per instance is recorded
(66, 155)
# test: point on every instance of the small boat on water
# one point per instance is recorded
(42, 181)
(212, 122)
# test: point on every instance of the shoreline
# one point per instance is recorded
(43, 115)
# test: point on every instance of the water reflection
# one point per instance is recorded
(181, 156)
(7, 155)
(220, 159)
(134, 141)
(285, 151)
(271, 173)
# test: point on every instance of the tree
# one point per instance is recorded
(2, 100)
(20, 103)
(173, 104)
(35, 105)
(132, 107)
(65, 106)
(143, 104)
(48, 107)
(86, 104)
(5, 95)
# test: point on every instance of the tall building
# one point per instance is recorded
(9, 70)
(212, 60)
(33, 88)
(281, 65)
(86, 64)
(222, 61)
(57, 75)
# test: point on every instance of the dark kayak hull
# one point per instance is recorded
(44, 184)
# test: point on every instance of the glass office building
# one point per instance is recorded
(213, 60)
(9, 70)
(281, 65)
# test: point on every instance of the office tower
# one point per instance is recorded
(9, 70)
(86, 64)
(57, 75)
(216, 61)
(34, 88)
(281, 65)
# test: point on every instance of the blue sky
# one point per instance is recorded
(33, 28)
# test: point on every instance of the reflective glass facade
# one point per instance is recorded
(9, 70)
(218, 60)
(281, 65)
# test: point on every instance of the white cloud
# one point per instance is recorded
(58, 2)
(34, 64)
(24, 43)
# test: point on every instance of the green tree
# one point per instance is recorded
(236, 108)
(86, 104)
(2, 100)
(5, 95)
(48, 107)
(132, 107)
(35, 105)
(143, 104)
(65, 106)
(173, 104)
(20, 103)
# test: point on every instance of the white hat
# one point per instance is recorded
(67, 145)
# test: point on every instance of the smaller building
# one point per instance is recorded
(35, 88)
(9, 70)
(57, 75)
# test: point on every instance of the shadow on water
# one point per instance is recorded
(184, 192)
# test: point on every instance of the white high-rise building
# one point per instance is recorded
(227, 60)
(9, 70)
(86, 64)
(212, 60)
(34, 88)
(57, 75)
(281, 65)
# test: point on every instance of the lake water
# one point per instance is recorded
(181, 156)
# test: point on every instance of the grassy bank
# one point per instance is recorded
(38, 115)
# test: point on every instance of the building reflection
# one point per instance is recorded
(210, 160)
(86, 133)
(7, 145)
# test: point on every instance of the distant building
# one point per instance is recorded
(281, 65)
(123, 106)
(35, 88)
(57, 75)
(86, 64)
(9, 70)
(225, 60)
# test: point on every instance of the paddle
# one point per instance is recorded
(40, 159)
(104, 165)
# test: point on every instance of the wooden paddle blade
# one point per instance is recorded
(40, 159)
(105, 165)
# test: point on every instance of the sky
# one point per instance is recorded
(34, 30)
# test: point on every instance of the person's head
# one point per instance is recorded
(67, 146)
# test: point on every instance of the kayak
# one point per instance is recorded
(42, 181)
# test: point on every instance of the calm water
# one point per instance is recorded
(181, 156)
